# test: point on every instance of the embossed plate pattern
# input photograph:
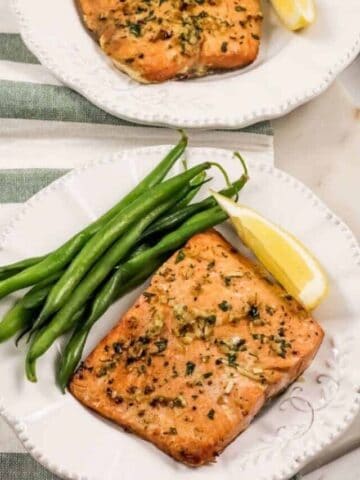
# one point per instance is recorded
(77, 444)
(291, 69)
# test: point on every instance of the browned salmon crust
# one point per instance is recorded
(199, 353)
(156, 40)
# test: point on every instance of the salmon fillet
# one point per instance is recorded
(156, 40)
(199, 353)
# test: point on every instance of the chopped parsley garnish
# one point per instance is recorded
(117, 346)
(211, 265)
(224, 47)
(228, 278)
(259, 336)
(208, 374)
(134, 29)
(161, 344)
(205, 358)
(148, 389)
(231, 357)
(224, 306)
(281, 332)
(180, 256)
(211, 319)
(211, 414)
(238, 343)
(280, 346)
(179, 402)
(144, 339)
(190, 367)
(253, 312)
(148, 296)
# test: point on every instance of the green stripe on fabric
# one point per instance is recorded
(21, 466)
(49, 102)
(13, 48)
(263, 128)
(19, 185)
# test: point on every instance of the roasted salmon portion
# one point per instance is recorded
(156, 40)
(199, 353)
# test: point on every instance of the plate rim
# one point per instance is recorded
(138, 116)
(294, 463)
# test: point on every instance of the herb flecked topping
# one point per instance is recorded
(211, 414)
(190, 367)
(180, 256)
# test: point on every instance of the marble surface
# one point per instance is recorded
(319, 144)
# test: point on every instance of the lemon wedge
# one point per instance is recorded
(295, 14)
(290, 263)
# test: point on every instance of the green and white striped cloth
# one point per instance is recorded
(47, 129)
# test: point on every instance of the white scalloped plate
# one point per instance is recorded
(75, 443)
(291, 69)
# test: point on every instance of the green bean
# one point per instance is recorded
(7, 271)
(25, 330)
(6, 275)
(45, 282)
(196, 183)
(63, 320)
(122, 247)
(25, 310)
(38, 294)
(148, 182)
(138, 249)
(178, 215)
(62, 256)
(173, 220)
(75, 346)
(36, 298)
(114, 287)
(17, 318)
(107, 235)
(197, 223)
(52, 264)
(30, 364)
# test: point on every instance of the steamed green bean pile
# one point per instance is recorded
(72, 286)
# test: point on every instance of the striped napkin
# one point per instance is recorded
(47, 129)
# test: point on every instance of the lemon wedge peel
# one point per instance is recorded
(295, 14)
(290, 262)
